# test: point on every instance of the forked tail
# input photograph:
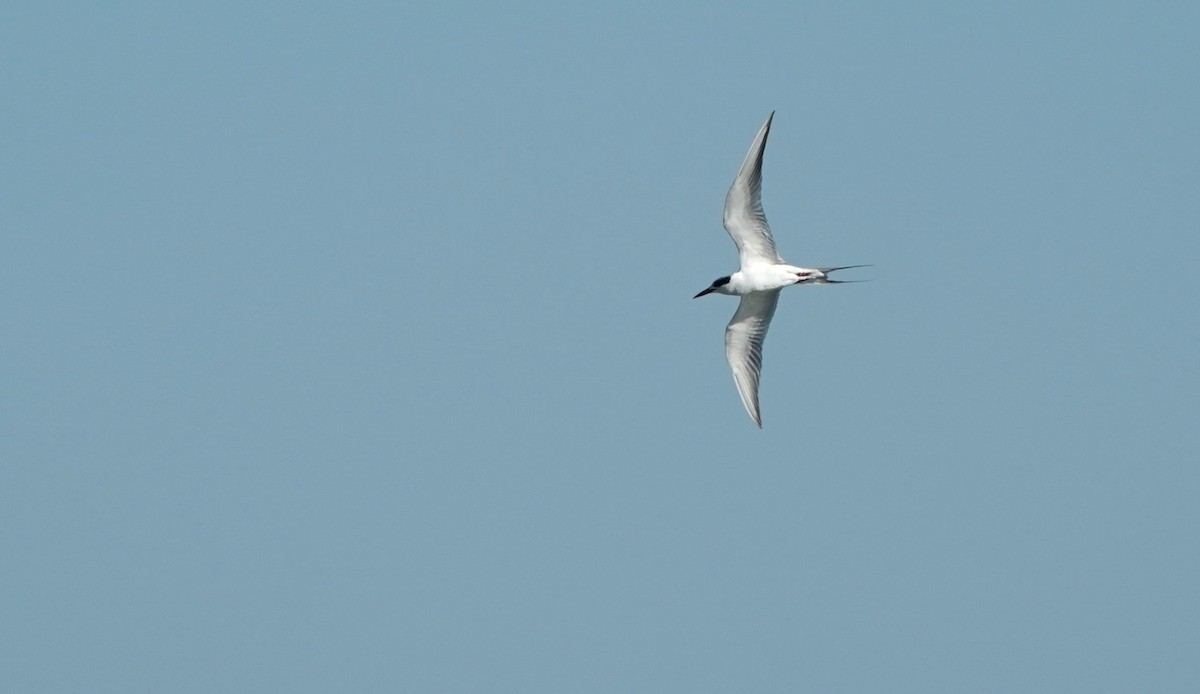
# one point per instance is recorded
(827, 270)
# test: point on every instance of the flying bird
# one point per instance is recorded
(761, 277)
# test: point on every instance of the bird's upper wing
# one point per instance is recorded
(743, 345)
(744, 218)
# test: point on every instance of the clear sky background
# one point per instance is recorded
(351, 347)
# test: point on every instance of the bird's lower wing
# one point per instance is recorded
(744, 338)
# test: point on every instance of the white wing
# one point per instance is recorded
(743, 345)
(744, 218)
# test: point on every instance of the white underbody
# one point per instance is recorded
(763, 277)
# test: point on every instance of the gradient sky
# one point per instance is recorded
(351, 347)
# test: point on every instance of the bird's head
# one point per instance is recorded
(716, 286)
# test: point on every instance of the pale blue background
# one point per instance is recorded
(350, 347)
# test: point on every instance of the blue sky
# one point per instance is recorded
(351, 348)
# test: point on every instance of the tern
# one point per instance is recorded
(761, 277)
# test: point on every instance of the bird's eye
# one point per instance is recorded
(720, 282)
